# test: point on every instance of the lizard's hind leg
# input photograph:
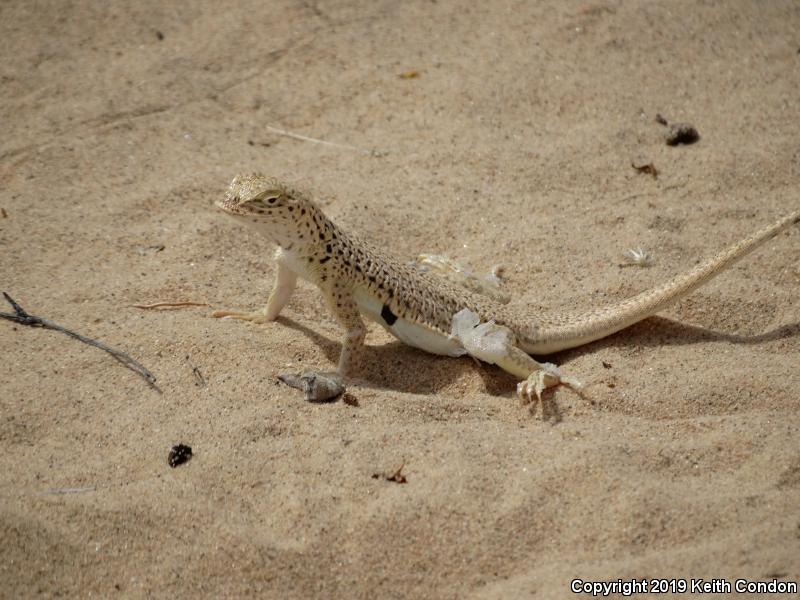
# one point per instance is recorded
(497, 345)
(345, 309)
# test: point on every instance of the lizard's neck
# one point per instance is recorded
(312, 235)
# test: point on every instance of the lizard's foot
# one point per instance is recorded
(496, 344)
(257, 316)
(540, 380)
(316, 386)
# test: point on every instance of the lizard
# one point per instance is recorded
(433, 313)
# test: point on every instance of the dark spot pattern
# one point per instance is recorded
(403, 291)
(388, 316)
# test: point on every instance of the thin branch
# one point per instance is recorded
(23, 318)
(169, 304)
(76, 490)
(305, 138)
(198, 377)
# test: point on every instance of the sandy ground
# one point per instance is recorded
(123, 122)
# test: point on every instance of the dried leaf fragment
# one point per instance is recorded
(396, 477)
(647, 169)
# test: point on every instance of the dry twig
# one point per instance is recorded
(169, 304)
(75, 490)
(396, 477)
(305, 138)
(23, 318)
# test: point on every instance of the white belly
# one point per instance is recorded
(419, 336)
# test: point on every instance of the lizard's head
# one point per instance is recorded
(274, 208)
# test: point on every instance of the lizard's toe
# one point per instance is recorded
(538, 381)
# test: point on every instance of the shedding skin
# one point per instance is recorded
(434, 313)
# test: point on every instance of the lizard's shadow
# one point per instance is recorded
(660, 331)
(399, 367)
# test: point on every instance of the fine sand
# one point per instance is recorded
(493, 133)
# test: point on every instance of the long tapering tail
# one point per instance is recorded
(559, 332)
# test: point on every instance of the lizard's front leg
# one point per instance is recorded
(497, 345)
(285, 282)
(320, 386)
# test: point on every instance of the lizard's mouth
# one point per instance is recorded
(230, 206)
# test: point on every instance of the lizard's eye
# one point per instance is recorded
(270, 198)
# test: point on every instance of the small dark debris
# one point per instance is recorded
(349, 399)
(681, 133)
(3, 213)
(199, 380)
(254, 143)
(678, 133)
(606, 365)
(648, 169)
(611, 385)
(178, 455)
(159, 35)
(396, 477)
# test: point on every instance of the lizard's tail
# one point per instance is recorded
(559, 332)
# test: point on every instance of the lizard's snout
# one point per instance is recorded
(230, 206)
